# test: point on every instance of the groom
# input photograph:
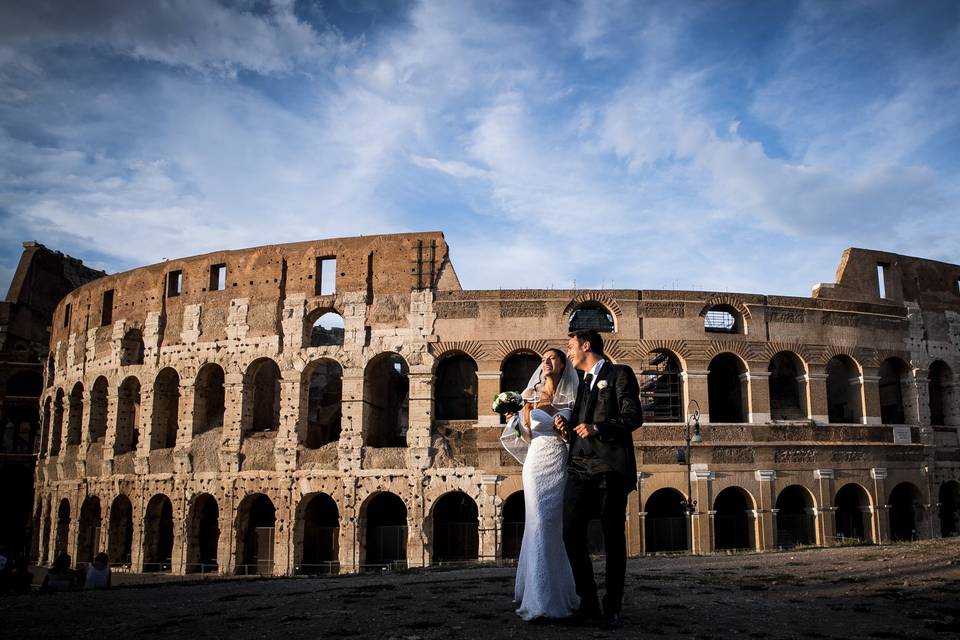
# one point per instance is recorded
(601, 470)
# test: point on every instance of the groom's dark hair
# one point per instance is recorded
(589, 335)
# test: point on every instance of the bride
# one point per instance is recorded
(544, 587)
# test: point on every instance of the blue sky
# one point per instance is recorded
(735, 146)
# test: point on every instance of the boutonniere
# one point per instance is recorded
(602, 384)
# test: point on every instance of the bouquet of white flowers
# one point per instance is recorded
(507, 402)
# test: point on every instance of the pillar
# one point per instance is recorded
(634, 528)
(869, 395)
(291, 430)
(421, 408)
(825, 512)
(234, 419)
(695, 388)
(758, 396)
(880, 520)
(702, 521)
(351, 426)
(491, 518)
(185, 418)
(765, 514)
(816, 380)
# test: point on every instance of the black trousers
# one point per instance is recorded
(585, 493)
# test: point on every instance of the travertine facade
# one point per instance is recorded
(190, 425)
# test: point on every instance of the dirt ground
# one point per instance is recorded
(899, 591)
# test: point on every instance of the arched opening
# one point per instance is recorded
(844, 404)
(256, 522)
(263, 376)
(385, 534)
(514, 514)
(722, 318)
(128, 416)
(204, 540)
(940, 379)
(166, 410)
(661, 390)
(726, 389)
(158, 534)
(796, 522)
(75, 415)
(853, 508)
(327, 330)
(45, 426)
(456, 536)
(591, 315)
(319, 533)
(455, 393)
(666, 522)
(516, 371)
(386, 399)
(88, 535)
(324, 403)
(949, 499)
(98, 410)
(732, 523)
(208, 399)
(63, 527)
(56, 429)
(120, 536)
(894, 375)
(131, 348)
(788, 398)
(906, 501)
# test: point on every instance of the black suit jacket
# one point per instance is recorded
(615, 410)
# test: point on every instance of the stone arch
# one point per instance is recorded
(158, 534)
(317, 535)
(88, 533)
(455, 389)
(591, 313)
(323, 380)
(665, 522)
(906, 512)
(75, 415)
(733, 526)
(594, 297)
(262, 396)
(939, 386)
(97, 428)
(726, 300)
(209, 398)
(386, 400)
(56, 428)
(456, 536)
(255, 526)
(131, 347)
(63, 527)
(844, 400)
(120, 532)
(384, 518)
(894, 387)
(949, 501)
(852, 504)
(128, 416)
(324, 327)
(796, 519)
(727, 389)
(166, 409)
(788, 395)
(661, 387)
(203, 536)
(514, 515)
(472, 348)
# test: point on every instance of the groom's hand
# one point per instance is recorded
(586, 430)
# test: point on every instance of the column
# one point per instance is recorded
(817, 408)
(491, 518)
(141, 462)
(351, 425)
(702, 521)
(421, 406)
(766, 515)
(350, 530)
(634, 528)
(880, 521)
(758, 395)
(825, 512)
(185, 418)
(234, 392)
(178, 554)
(110, 439)
(290, 430)
(869, 395)
(488, 386)
(695, 388)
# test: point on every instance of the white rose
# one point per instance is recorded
(602, 384)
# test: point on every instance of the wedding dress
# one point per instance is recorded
(544, 586)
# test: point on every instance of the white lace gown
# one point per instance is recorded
(544, 586)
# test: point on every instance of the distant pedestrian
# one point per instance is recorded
(98, 573)
(59, 577)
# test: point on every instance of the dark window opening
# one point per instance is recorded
(843, 391)
(456, 389)
(66, 315)
(661, 392)
(796, 525)
(327, 330)
(721, 319)
(787, 399)
(218, 277)
(324, 404)
(174, 283)
(106, 308)
(893, 374)
(666, 522)
(591, 317)
(386, 397)
(326, 276)
(726, 389)
(455, 529)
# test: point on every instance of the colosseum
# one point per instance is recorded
(324, 407)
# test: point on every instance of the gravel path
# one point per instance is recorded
(899, 591)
